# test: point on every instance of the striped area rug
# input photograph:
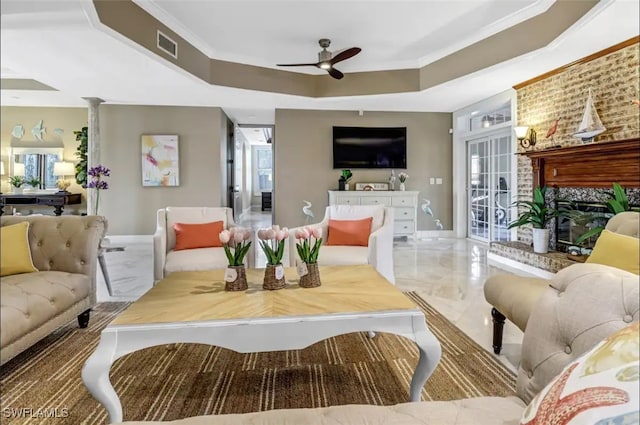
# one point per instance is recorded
(182, 380)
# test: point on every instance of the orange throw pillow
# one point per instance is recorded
(205, 235)
(349, 232)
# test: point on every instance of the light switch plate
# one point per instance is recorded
(438, 180)
(432, 180)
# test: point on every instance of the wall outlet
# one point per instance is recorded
(438, 180)
(432, 180)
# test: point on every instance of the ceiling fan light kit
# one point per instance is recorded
(326, 60)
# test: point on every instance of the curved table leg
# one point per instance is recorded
(95, 375)
(430, 353)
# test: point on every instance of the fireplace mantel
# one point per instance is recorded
(591, 165)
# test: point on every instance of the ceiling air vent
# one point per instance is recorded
(167, 45)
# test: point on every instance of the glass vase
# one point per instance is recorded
(273, 277)
(235, 278)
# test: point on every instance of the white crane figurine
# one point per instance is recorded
(306, 210)
(426, 208)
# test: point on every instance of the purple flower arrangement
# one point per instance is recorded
(97, 174)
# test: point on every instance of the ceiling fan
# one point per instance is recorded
(326, 60)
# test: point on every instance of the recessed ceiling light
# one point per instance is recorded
(257, 130)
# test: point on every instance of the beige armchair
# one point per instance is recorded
(379, 251)
(513, 297)
(166, 260)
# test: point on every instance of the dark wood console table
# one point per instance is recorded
(56, 200)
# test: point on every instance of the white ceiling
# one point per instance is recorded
(61, 44)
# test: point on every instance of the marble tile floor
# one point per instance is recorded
(448, 273)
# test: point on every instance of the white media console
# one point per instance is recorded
(404, 203)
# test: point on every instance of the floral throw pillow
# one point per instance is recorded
(599, 388)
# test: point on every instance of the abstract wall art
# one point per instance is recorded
(160, 160)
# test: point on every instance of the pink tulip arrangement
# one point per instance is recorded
(236, 243)
(272, 243)
(310, 241)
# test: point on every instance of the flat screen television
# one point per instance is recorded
(369, 147)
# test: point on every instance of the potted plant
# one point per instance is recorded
(403, 178)
(538, 214)
(82, 136)
(343, 182)
(308, 251)
(236, 243)
(34, 182)
(16, 182)
(272, 241)
(617, 204)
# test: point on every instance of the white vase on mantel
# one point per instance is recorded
(17, 190)
(402, 187)
(540, 241)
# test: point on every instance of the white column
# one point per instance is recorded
(93, 154)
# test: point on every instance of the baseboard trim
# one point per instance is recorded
(436, 234)
(516, 266)
(116, 239)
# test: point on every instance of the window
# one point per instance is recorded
(40, 166)
(263, 173)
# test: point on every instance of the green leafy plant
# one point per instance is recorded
(346, 175)
(82, 136)
(33, 181)
(236, 243)
(536, 212)
(617, 204)
(16, 181)
(307, 248)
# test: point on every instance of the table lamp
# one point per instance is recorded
(63, 169)
(18, 169)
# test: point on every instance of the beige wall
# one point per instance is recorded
(130, 207)
(304, 170)
(67, 119)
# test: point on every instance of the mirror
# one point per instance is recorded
(36, 162)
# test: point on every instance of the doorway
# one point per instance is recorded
(258, 141)
(489, 165)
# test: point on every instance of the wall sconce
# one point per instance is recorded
(63, 169)
(526, 136)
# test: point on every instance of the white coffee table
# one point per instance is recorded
(192, 307)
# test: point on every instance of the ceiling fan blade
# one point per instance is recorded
(297, 64)
(335, 73)
(345, 54)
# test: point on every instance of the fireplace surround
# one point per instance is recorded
(580, 174)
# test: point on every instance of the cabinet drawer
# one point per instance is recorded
(375, 200)
(403, 201)
(404, 227)
(404, 213)
(347, 200)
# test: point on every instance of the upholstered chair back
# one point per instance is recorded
(169, 216)
(563, 325)
(625, 223)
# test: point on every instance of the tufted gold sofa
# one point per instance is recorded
(580, 306)
(64, 249)
(513, 297)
